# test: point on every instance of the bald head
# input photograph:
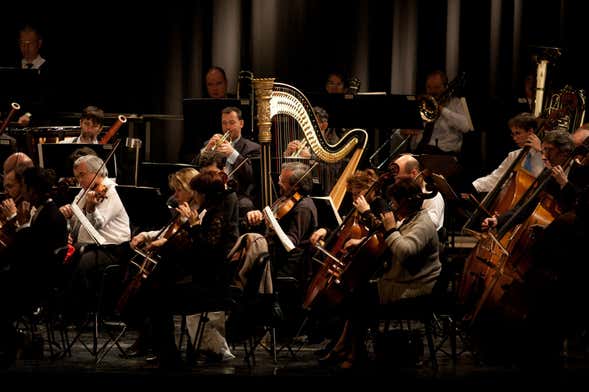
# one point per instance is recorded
(407, 164)
(18, 159)
(579, 136)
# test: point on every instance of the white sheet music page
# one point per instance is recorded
(286, 242)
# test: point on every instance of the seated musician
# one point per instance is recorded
(235, 149)
(14, 209)
(408, 167)
(411, 269)
(327, 173)
(214, 161)
(17, 158)
(32, 268)
(99, 225)
(297, 225)
(185, 208)
(557, 147)
(200, 279)
(523, 131)
(91, 123)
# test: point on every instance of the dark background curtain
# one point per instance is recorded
(138, 58)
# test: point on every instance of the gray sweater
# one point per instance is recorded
(415, 264)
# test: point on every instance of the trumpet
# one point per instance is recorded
(225, 137)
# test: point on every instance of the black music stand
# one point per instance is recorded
(369, 110)
(146, 207)
(155, 174)
(61, 156)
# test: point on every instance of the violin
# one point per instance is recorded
(100, 192)
(282, 207)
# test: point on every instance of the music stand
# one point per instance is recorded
(146, 207)
(61, 156)
(155, 174)
(369, 110)
(449, 195)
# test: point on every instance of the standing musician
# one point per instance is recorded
(91, 123)
(410, 271)
(31, 267)
(523, 131)
(98, 222)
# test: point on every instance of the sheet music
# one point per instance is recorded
(87, 225)
(286, 242)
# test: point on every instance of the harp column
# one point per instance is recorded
(263, 90)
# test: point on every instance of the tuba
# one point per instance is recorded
(275, 99)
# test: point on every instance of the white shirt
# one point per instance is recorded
(448, 128)
(488, 182)
(109, 218)
(75, 140)
(37, 63)
(435, 209)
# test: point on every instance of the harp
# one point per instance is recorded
(276, 99)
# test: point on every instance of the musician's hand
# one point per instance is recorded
(138, 239)
(317, 236)
(292, 147)
(66, 211)
(25, 119)
(184, 210)
(361, 204)
(352, 243)
(489, 223)
(213, 140)
(388, 220)
(255, 217)
(559, 175)
(156, 244)
(91, 201)
(8, 208)
(533, 141)
(225, 149)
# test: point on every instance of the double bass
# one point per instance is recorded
(510, 258)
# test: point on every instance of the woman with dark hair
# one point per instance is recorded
(201, 278)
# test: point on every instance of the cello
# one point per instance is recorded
(335, 260)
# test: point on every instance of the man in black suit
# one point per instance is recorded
(235, 149)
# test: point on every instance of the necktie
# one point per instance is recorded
(29, 65)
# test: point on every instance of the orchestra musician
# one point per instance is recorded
(30, 267)
(411, 270)
(185, 209)
(523, 131)
(91, 123)
(14, 210)
(298, 223)
(550, 294)
(99, 226)
(202, 277)
(17, 158)
(235, 149)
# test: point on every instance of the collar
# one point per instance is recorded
(37, 62)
